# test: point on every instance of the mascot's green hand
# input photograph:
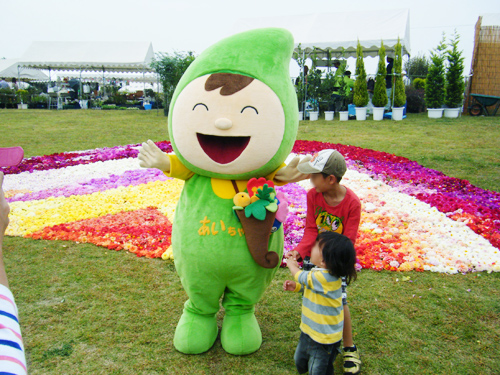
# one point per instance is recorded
(290, 173)
(150, 156)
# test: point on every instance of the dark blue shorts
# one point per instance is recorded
(315, 357)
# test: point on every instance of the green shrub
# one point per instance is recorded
(435, 82)
(399, 86)
(417, 67)
(22, 96)
(415, 101)
(379, 92)
(314, 87)
(360, 98)
(454, 91)
(419, 83)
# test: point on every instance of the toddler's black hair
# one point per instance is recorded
(338, 254)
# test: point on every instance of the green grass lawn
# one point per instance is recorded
(86, 310)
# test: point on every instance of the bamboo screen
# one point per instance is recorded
(485, 67)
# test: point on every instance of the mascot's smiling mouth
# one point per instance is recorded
(222, 150)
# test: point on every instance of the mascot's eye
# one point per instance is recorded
(249, 106)
(204, 105)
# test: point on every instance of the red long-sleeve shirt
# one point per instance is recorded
(343, 218)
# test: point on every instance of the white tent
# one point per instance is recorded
(90, 56)
(10, 68)
(96, 76)
(328, 34)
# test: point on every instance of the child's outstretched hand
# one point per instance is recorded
(289, 285)
(293, 254)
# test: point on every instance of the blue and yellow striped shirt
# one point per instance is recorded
(322, 310)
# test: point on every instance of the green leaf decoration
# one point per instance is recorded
(265, 192)
(257, 209)
(272, 207)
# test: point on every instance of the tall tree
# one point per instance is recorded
(417, 67)
(379, 92)
(399, 86)
(454, 75)
(435, 82)
(171, 67)
(360, 87)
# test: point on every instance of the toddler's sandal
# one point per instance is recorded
(352, 359)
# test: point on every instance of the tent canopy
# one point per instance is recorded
(90, 56)
(328, 34)
(98, 76)
(10, 68)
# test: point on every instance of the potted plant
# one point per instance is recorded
(327, 87)
(313, 89)
(346, 99)
(361, 97)
(380, 99)
(454, 90)
(399, 86)
(22, 99)
(38, 101)
(299, 56)
(435, 82)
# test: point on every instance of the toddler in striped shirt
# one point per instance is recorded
(322, 319)
(12, 358)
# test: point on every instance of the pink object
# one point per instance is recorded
(282, 212)
(11, 156)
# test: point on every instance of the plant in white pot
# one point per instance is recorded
(399, 86)
(299, 56)
(313, 88)
(327, 88)
(380, 99)
(454, 90)
(361, 97)
(435, 82)
(346, 97)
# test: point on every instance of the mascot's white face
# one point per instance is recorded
(228, 133)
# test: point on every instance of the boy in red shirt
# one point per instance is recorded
(335, 208)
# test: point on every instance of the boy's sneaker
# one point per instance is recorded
(352, 362)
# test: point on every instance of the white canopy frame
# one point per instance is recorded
(89, 56)
(329, 36)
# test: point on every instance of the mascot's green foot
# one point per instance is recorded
(240, 334)
(195, 333)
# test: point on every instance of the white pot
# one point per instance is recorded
(344, 115)
(329, 115)
(301, 115)
(452, 112)
(313, 116)
(361, 113)
(378, 113)
(435, 112)
(22, 106)
(397, 113)
(84, 104)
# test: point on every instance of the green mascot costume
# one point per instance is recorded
(233, 117)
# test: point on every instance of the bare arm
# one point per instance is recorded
(292, 266)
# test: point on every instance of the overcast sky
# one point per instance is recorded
(182, 25)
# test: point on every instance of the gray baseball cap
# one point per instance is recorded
(325, 161)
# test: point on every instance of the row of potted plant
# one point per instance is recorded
(444, 83)
(320, 90)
